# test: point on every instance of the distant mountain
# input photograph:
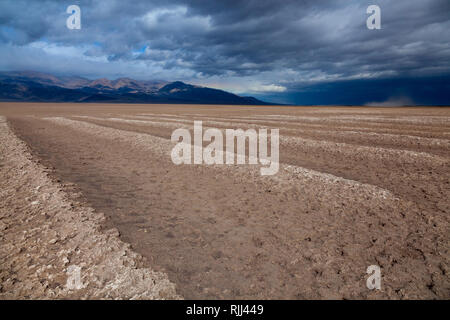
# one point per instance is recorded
(42, 87)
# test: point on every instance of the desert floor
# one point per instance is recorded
(357, 186)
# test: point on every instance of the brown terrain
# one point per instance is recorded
(94, 186)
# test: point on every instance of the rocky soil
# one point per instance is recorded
(92, 184)
(53, 247)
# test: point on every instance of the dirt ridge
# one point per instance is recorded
(45, 237)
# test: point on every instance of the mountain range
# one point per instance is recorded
(28, 86)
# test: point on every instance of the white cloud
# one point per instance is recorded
(268, 88)
(175, 18)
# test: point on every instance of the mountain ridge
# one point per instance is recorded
(31, 86)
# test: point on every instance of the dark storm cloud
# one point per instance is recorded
(372, 92)
(287, 43)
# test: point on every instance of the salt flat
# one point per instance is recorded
(357, 186)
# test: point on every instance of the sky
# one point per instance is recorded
(293, 52)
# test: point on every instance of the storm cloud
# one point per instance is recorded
(277, 48)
